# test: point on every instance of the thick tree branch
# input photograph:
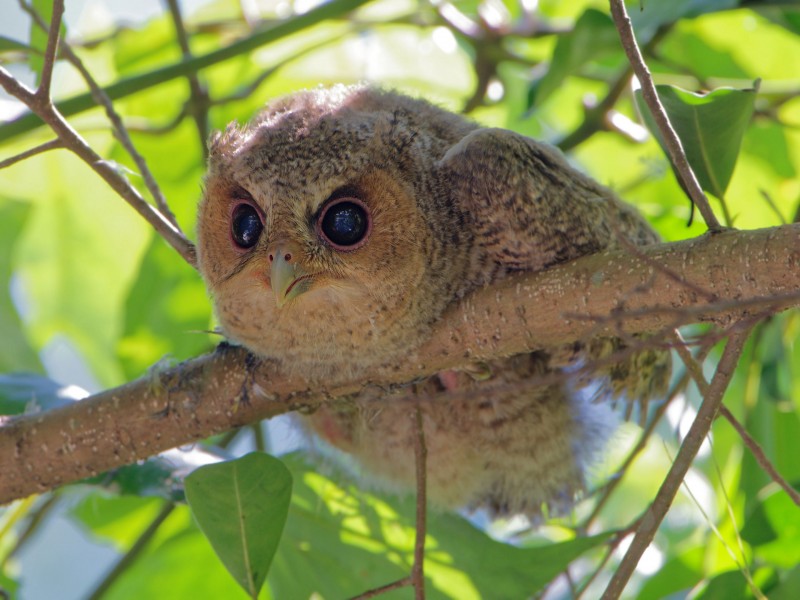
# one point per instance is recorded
(748, 271)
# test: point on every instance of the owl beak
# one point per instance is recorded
(288, 278)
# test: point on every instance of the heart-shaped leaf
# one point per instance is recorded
(241, 507)
(710, 127)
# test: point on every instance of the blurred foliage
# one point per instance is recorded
(91, 297)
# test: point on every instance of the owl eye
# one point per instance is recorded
(345, 223)
(246, 226)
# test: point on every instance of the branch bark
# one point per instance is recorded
(743, 273)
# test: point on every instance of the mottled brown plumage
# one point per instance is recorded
(339, 224)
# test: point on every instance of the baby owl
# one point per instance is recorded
(340, 223)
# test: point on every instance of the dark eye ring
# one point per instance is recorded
(345, 223)
(246, 225)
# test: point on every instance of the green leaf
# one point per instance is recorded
(157, 476)
(594, 36)
(166, 312)
(679, 573)
(789, 588)
(648, 15)
(183, 566)
(727, 585)
(20, 391)
(773, 529)
(788, 18)
(241, 507)
(75, 270)
(119, 519)
(341, 541)
(9, 44)
(16, 353)
(710, 127)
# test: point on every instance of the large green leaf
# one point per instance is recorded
(241, 507)
(648, 15)
(341, 541)
(710, 127)
(773, 529)
(16, 353)
(594, 36)
(166, 312)
(789, 588)
(76, 257)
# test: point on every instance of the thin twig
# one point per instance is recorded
(43, 92)
(275, 30)
(696, 372)
(671, 140)
(107, 170)
(609, 488)
(760, 455)
(655, 514)
(47, 146)
(417, 576)
(133, 553)
(374, 592)
(198, 101)
(102, 99)
(37, 517)
(420, 464)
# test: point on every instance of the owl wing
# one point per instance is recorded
(528, 207)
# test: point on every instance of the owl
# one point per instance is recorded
(338, 225)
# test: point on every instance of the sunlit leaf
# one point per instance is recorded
(166, 312)
(352, 541)
(16, 353)
(594, 36)
(774, 529)
(710, 127)
(789, 588)
(648, 15)
(119, 519)
(183, 566)
(682, 572)
(7, 43)
(241, 507)
(75, 259)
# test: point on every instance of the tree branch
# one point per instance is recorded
(701, 425)
(696, 371)
(73, 141)
(203, 396)
(329, 10)
(671, 140)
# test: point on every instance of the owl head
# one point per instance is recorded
(325, 235)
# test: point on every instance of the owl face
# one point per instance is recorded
(314, 243)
